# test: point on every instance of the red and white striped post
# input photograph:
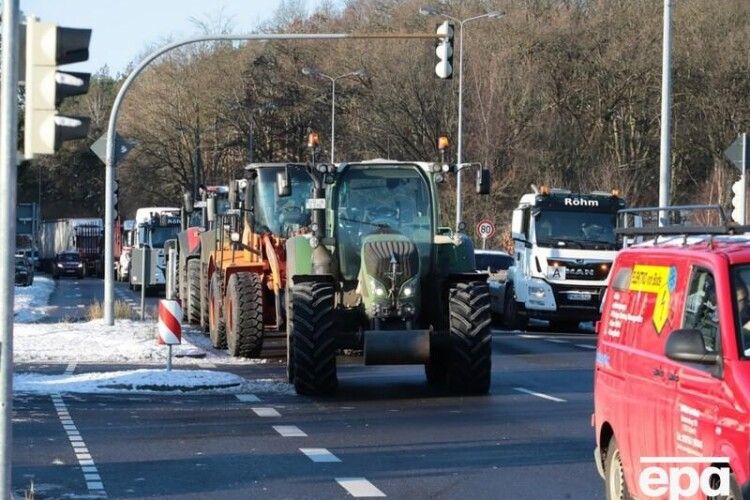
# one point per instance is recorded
(170, 326)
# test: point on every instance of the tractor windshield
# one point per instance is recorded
(382, 200)
(281, 216)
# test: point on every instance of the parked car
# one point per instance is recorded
(68, 264)
(672, 370)
(24, 271)
(495, 263)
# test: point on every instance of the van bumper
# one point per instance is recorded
(598, 460)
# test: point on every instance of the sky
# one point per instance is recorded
(122, 29)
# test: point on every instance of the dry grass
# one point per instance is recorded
(122, 311)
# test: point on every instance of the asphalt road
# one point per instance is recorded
(385, 433)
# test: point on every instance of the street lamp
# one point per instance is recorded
(431, 11)
(316, 73)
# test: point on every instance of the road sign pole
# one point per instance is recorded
(484, 243)
(743, 179)
(665, 160)
(8, 172)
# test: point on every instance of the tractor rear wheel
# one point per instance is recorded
(193, 287)
(313, 341)
(470, 351)
(244, 315)
(204, 300)
(216, 325)
(289, 337)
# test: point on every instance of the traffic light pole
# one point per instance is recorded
(665, 160)
(8, 172)
(109, 212)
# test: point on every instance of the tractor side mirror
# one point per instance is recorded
(187, 202)
(211, 209)
(483, 181)
(283, 183)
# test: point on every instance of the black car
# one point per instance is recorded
(24, 271)
(68, 264)
(492, 261)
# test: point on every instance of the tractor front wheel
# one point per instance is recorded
(244, 315)
(193, 287)
(470, 351)
(313, 341)
(216, 326)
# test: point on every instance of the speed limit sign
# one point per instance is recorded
(485, 229)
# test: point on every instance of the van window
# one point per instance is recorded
(741, 282)
(701, 311)
(621, 281)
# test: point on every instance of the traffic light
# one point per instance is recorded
(47, 46)
(116, 199)
(738, 201)
(444, 51)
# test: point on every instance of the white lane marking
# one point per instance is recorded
(266, 412)
(289, 431)
(70, 368)
(320, 455)
(539, 395)
(586, 346)
(359, 487)
(206, 364)
(88, 467)
(557, 341)
(248, 398)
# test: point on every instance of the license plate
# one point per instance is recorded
(579, 296)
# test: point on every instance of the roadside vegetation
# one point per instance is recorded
(559, 92)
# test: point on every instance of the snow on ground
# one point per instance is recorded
(31, 301)
(145, 381)
(125, 342)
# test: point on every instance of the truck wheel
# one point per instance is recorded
(511, 317)
(312, 327)
(289, 338)
(244, 315)
(614, 474)
(204, 301)
(216, 326)
(194, 291)
(470, 355)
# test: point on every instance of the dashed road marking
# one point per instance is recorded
(557, 341)
(539, 394)
(289, 431)
(320, 455)
(206, 364)
(266, 412)
(70, 368)
(359, 487)
(90, 472)
(247, 398)
(586, 346)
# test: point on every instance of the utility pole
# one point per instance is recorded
(665, 160)
(8, 172)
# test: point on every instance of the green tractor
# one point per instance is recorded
(378, 275)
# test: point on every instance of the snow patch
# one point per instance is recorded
(146, 381)
(125, 342)
(31, 301)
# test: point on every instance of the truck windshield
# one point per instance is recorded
(576, 229)
(385, 200)
(156, 236)
(281, 216)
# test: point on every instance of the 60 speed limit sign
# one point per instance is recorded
(485, 229)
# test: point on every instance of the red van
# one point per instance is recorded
(672, 375)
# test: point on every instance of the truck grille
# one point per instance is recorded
(582, 269)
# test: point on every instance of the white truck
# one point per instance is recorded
(154, 226)
(564, 246)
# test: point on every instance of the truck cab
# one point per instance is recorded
(154, 227)
(564, 245)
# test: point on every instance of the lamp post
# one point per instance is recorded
(315, 73)
(430, 11)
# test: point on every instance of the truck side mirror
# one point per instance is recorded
(483, 181)
(283, 183)
(211, 209)
(687, 345)
(187, 202)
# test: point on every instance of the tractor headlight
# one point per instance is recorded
(314, 242)
(379, 292)
(409, 288)
(59, 265)
(80, 265)
(407, 291)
